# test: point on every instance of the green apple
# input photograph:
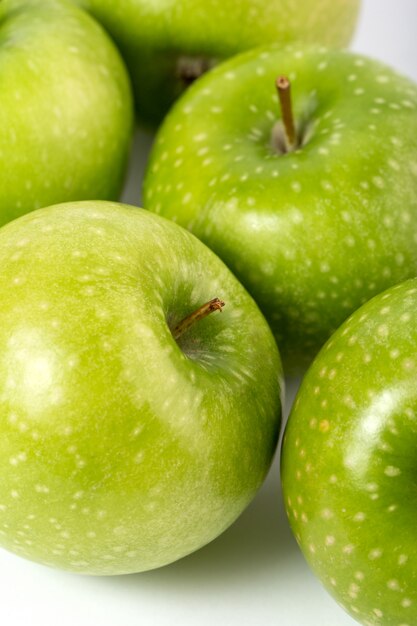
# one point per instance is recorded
(66, 109)
(123, 448)
(314, 232)
(349, 462)
(169, 43)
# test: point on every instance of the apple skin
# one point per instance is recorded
(349, 462)
(312, 234)
(66, 111)
(155, 36)
(122, 450)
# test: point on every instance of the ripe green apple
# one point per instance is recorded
(349, 462)
(169, 43)
(122, 448)
(66, 109)
(311, 233)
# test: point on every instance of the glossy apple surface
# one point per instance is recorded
(349, 462)
(66, 110)
(313, 233)
(168, 42)
(122, 449)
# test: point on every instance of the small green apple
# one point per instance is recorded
(349, 462)
(66, 109)
(314, 232)
(123, 448)
(169, 43)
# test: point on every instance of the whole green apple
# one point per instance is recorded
(66, 109)
(169, 43)
(349, 462)
(123, 448)
(314, 232)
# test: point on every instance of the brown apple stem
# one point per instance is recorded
(214, 305)
(284, 92)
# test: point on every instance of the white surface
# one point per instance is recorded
(254, 574)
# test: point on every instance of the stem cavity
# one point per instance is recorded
(190, 68)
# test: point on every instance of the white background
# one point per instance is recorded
(254, 574)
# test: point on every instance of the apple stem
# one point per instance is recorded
(283, 86)
(203, 311)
